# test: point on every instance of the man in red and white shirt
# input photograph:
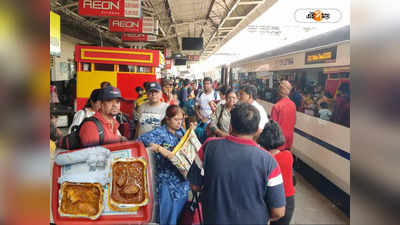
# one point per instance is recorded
(110, 106)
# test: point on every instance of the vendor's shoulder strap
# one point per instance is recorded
(100, 128)
(220, 114)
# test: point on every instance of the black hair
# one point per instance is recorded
(250, 90)
(324, 105)
(105, 84)
(138, 88)
(95, 96)
(207, 79)
(165, 82)
(272, 136)
(328, 94)
(229, 90)
(244, 119)
(186, 82)
(146, 85)
(223, 89)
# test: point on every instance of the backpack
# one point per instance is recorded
(215, 94)
(180, 97)
(73, 141)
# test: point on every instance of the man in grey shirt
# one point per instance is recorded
(151, 113)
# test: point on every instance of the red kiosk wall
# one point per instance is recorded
(128, 82)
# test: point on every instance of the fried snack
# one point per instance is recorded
(128, 183)
(81, 200)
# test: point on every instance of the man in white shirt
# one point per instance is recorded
(203, 109)
(248, 94)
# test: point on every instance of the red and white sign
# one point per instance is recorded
(125, 25)
(110, 8)
(168, 64)
(144, 25)
(150, 25)
(167, 53)
(192, 58)
(138, 37)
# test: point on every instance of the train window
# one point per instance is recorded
(345, 75)
(103, 67)
(86, 67)
(339, 75)
(126, 68)
(144, 69)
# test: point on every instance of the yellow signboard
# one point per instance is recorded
(55, 34)
(327, 55)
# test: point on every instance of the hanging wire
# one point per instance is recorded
(101, 38)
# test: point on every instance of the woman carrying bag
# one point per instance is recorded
(221, 119)
(172, 188)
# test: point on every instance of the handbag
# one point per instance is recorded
(209, 132)
(192, 213)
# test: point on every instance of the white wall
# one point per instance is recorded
(67, 56)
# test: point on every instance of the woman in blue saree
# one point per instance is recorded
(171, 187)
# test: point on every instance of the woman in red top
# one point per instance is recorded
(271, 138)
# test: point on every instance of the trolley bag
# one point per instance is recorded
(192, 213)
(72, 141)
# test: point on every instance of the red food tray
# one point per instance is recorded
(144, 214)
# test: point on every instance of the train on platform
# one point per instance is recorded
(316, 65)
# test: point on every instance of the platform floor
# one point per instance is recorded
(311, 207)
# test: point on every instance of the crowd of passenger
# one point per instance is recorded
(313, 100)
(247, 164)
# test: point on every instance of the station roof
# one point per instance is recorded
(334, 36)
(217, 21)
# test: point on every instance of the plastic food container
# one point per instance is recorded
(76, 200)
(129, 180)
(142, 215)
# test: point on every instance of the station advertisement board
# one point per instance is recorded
(192, 58)
(326, 55)
(138, 37)
(55, 34)
(168, 64)
(147, 25)
(110, 8)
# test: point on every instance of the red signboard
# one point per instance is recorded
(125, 25)
(192, 58)
(144, 25)
(110, 8)
(138, 37)
(168, 64)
